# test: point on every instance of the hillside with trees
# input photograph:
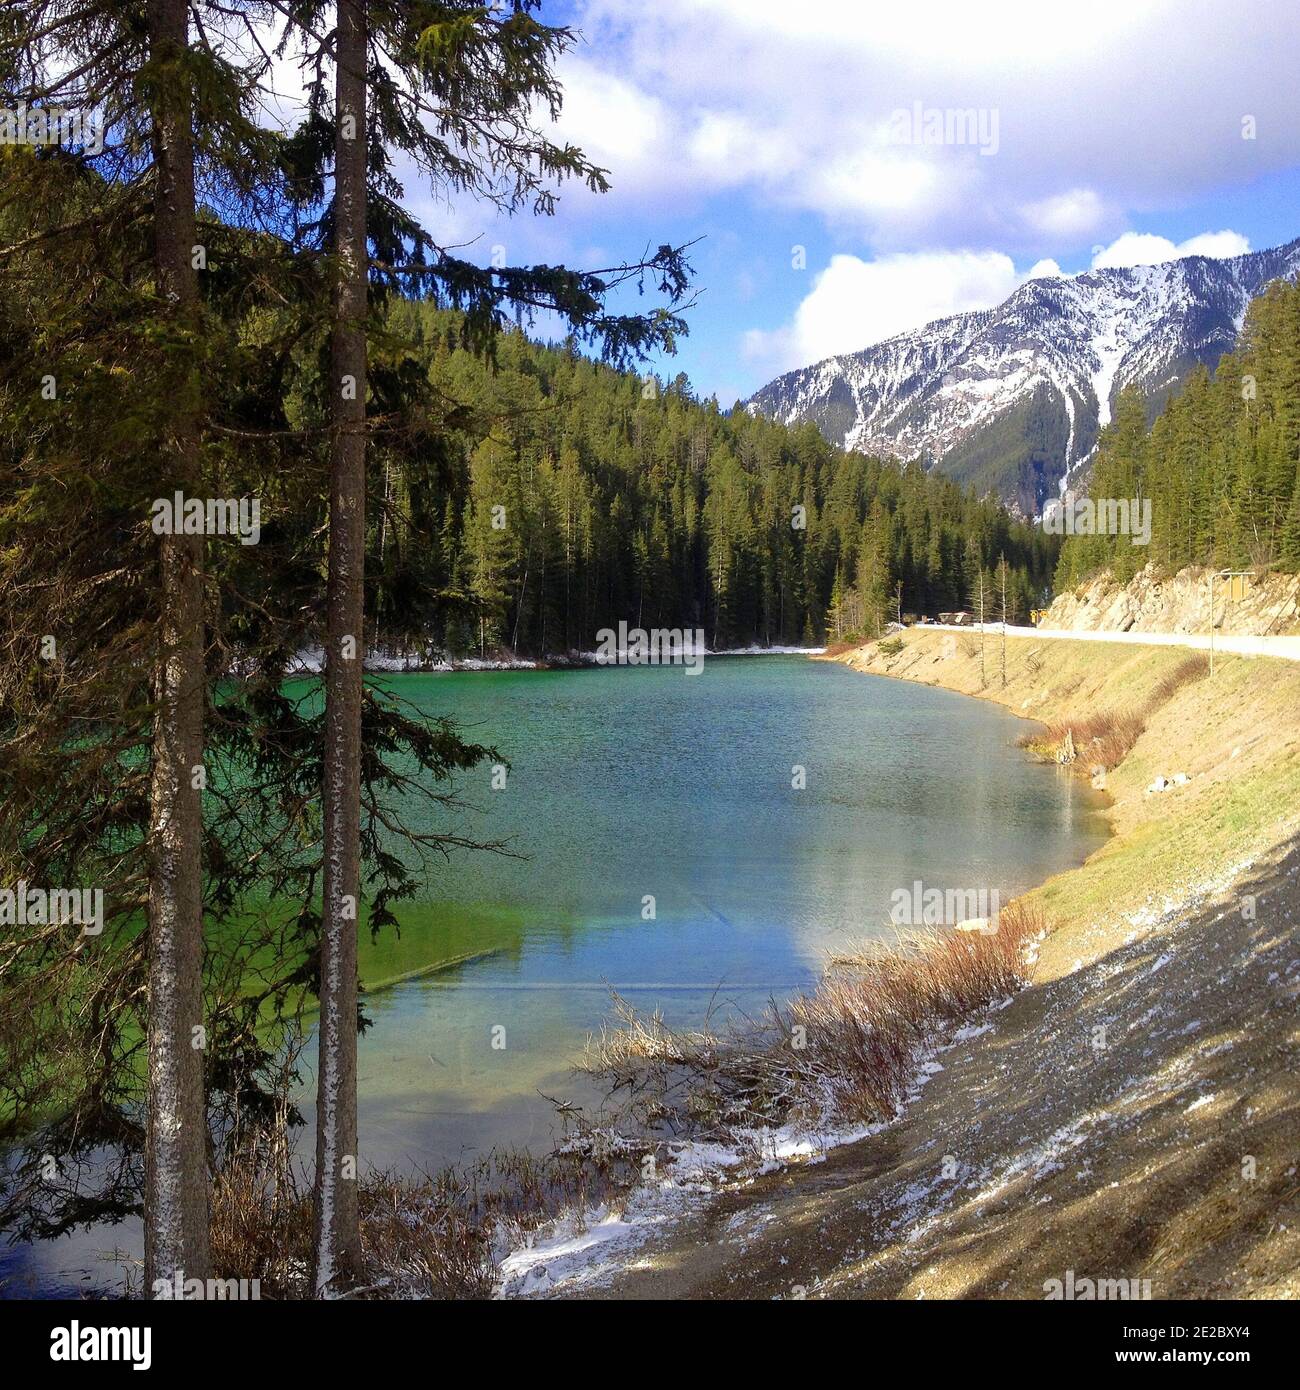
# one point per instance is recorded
(1220, 464)
(625, 498)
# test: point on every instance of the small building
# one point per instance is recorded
(959, 619)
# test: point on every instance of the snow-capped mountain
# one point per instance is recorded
(1012, 398)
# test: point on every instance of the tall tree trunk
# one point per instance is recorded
(176, 1171)
(337, 1225)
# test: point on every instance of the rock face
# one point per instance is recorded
(1011, 399)
(1151, 603)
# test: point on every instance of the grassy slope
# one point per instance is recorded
(1133, 1113)
(1233, 807)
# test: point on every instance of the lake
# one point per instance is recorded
(635, 783)
(632, 784)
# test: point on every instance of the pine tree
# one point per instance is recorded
(1006, 609)
(337, 1240)
(176, 1178)
(134, 385)
(458, 89)
(1219, 464)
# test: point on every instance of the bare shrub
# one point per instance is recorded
(422, 1236)
(873, 1011)
(1190, 669)
(434, 1237)
(261, 1228)
(425, 1240)
(846, 1052)
(1104, 738)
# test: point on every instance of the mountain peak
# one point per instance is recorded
(1012, 398)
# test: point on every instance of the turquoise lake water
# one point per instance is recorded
(631, 783)
(636, 782)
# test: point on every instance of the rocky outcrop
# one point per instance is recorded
(1152, 602)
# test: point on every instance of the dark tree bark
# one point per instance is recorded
(176, 1168)
(337, 1225)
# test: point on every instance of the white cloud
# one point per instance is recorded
(1144, 248)
(1067, 216)
(953, 31)
(877, 184)
(854, 303)
(724, 149)
(614, 122)
(792, 106)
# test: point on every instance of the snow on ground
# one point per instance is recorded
(583, 1249)
(311, 660)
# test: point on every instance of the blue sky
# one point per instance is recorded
(1119, 133)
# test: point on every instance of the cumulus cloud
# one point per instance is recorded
(616, 124)
(1067, 216)
(854, 303)
(696, 146)
(795, 106)
(1144, 248)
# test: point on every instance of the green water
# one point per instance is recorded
(647, 782)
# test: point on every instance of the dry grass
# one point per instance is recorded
(847, 1052)
(260, 1226)
(433, 1237)
(1105, 738)
(1188, 670)
(874, 1011)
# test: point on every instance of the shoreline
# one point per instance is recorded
(576, 1254)
(311, 661)
(1175, 943)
